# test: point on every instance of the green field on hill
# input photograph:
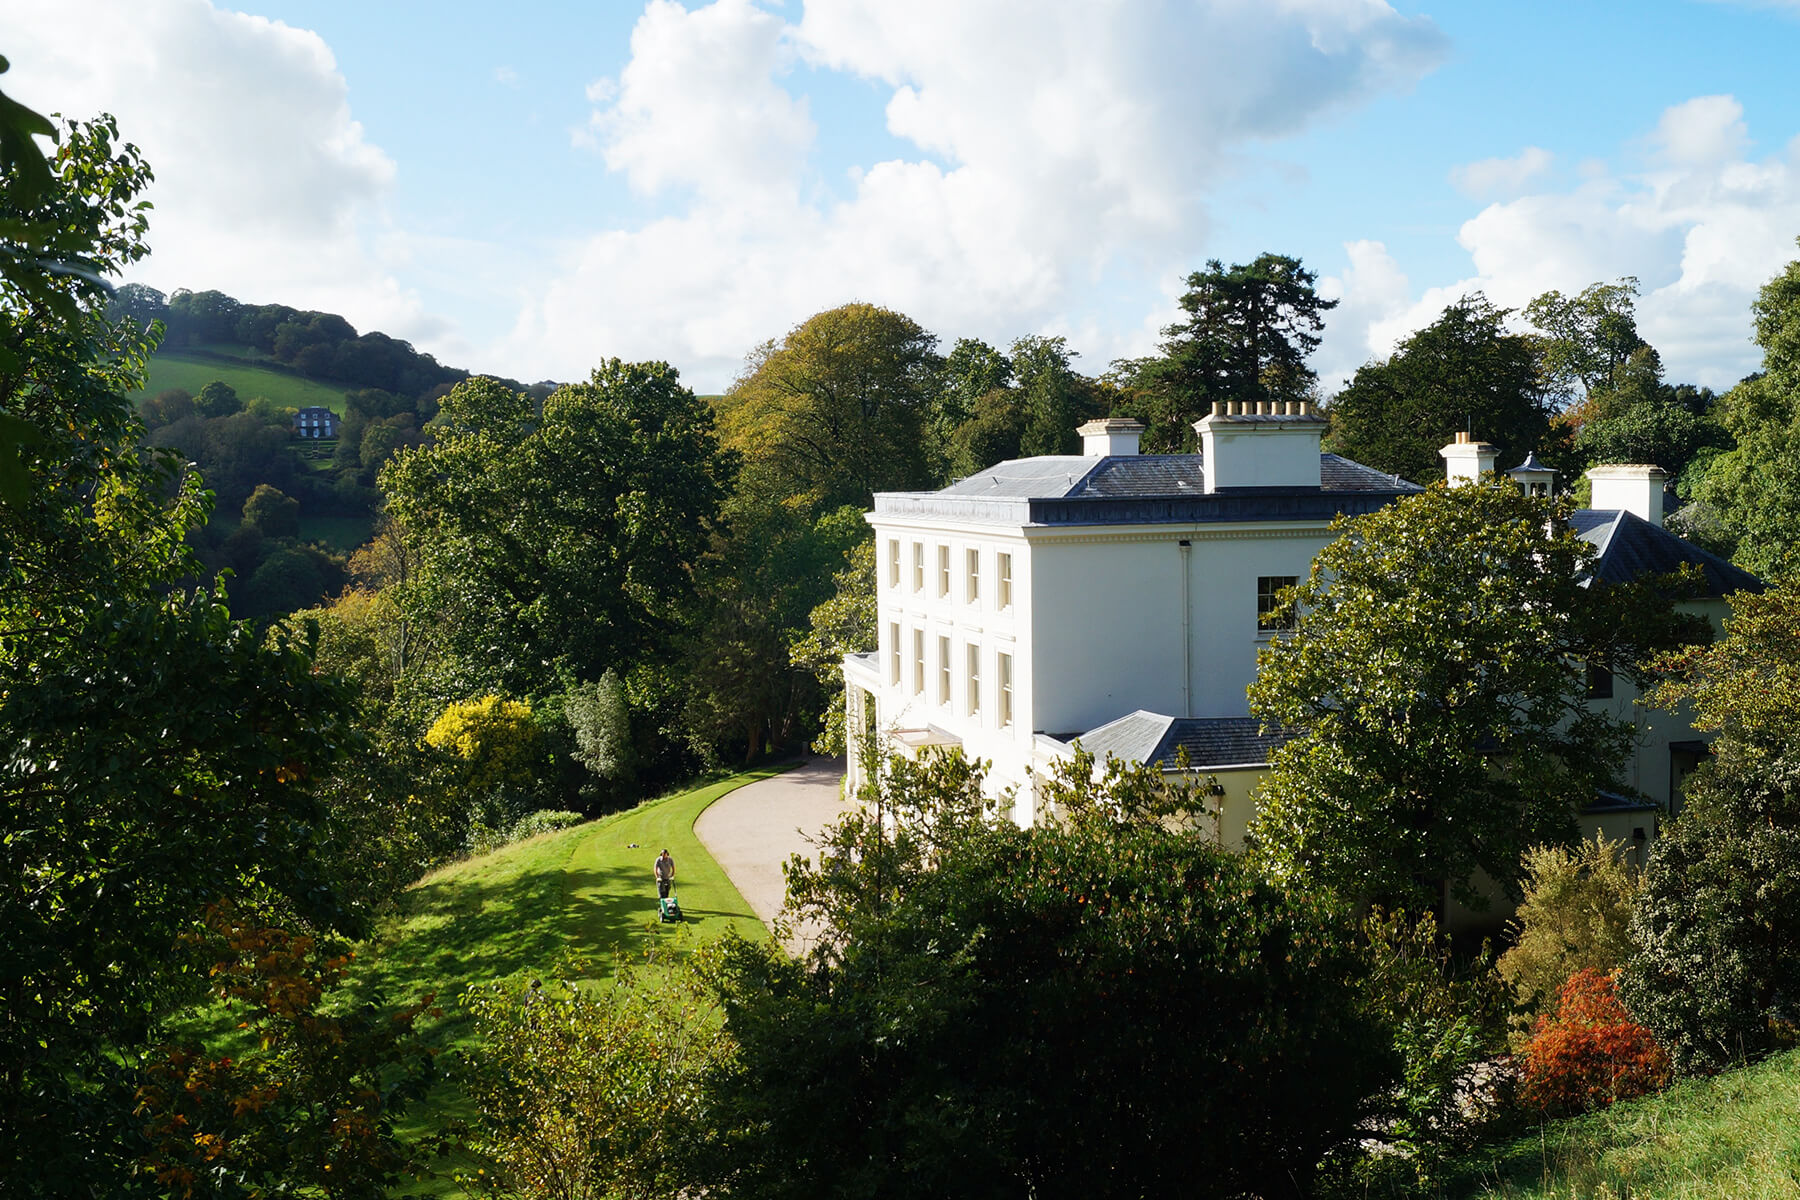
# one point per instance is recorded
(582, 894)
(1735, 1136)
(173, 369)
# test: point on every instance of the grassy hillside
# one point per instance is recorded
(173, 369)
(584, 893)
(1733, 1137)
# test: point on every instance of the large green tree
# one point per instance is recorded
(1436, 683)
(1246, 335)
(1464, 371)
(1718, 921)
(158, 756)
(1753, 489)
(1587, 339)
(836, 410)
(555, 541)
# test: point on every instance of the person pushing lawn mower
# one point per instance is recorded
(667, 906)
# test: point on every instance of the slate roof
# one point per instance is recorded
(1164, 476)
(1211, 742)
(1631, 547)
(1140, 489)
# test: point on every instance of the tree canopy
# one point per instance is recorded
(1246, 336)
(1464, 371)
(556, 538)
(1436, 685)
(836, 411)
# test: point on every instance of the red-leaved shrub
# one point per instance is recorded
(1590, 1053)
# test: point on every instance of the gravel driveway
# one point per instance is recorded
(752, 831)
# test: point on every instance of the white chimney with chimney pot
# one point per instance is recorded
(1110, 436)
(1467, 460)
(1260, 443)
(1635, 488)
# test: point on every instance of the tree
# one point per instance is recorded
(158, 755)
(273, 512)
(836, 411)
(1575, 915)
(1718, 923)
(971, 370)
(1436, 685)
(1464, 371)
(1246, 337)
(1587, 339)
(1754, 489)
(553, 544)
(1102, 1005)
(844, 624)
(218, 399)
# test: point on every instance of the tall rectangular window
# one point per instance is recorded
(894, 563)
(918, 566)
(972, 568)
(1269, 614)
(974, 695)
(943, 696)
(1003, 670)
(894, 653)
(1004, 564)
(918, 662)
(943, 572)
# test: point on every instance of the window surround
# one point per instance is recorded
(1268, 591)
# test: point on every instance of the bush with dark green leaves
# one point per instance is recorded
(1104, 1005)
(1717, 974)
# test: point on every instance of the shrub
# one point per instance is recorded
(1100, 1005)
(589, 1092)
(545, 820)
(1717, 977)
(1576, 916)
(1590, 1053)
(1443, 1019)
(496, 739)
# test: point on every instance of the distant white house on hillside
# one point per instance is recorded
(1120, 599)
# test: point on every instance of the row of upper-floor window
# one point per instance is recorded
(908, 667)
(942, 559)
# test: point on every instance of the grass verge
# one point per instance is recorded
(1734, 1136)
(581, 894)
(172, 369)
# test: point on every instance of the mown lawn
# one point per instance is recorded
(584, 896)
(173, 369)
(1735, 1136)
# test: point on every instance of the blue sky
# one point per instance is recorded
(532, 187)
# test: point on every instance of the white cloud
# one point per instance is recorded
(1700, 223)
(1369, 294)
(1050, 151)
(266, 187)
(1490, 177)
(698, 104)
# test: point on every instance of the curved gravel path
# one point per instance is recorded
(750, 832)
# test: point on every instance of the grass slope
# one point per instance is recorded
(584, 894)
(173, 369)
(1735, 1136)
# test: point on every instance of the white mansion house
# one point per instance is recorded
(1120, 598)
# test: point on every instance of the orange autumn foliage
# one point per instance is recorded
(1590, 1053)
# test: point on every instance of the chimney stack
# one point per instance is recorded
(1110, 436)
(1634, 488)
(1260, 443)
(1467, 460)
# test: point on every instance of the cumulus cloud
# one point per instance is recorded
(1491, 177)
(1047, 152)
(264, 179)
(1697, 220)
